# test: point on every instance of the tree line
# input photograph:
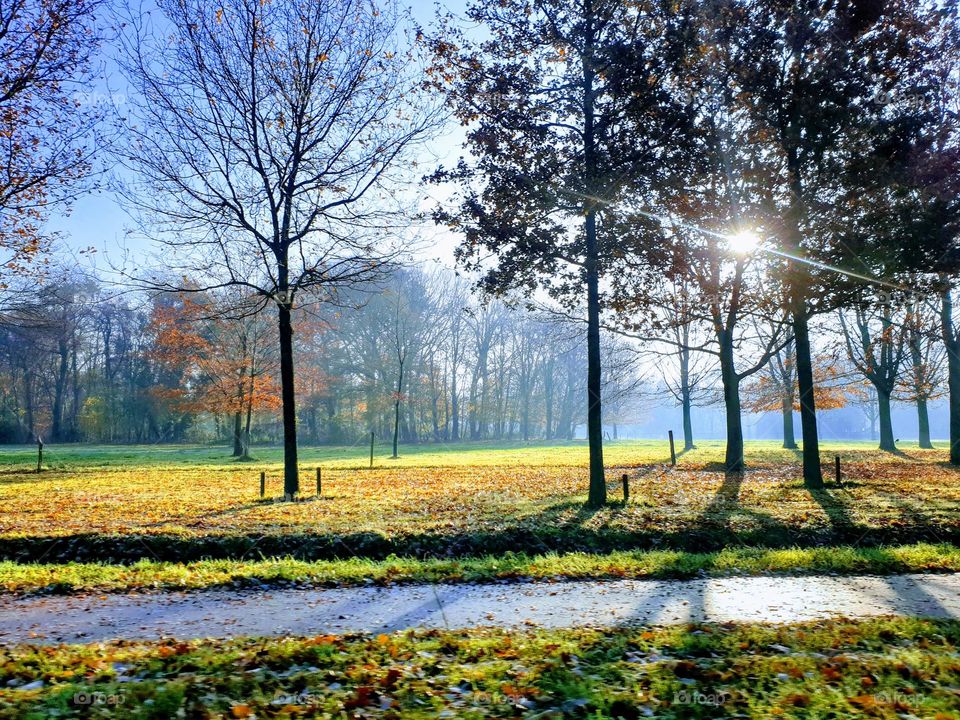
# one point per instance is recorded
(418, 359)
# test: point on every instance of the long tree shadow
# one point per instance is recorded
(920, 602)
(835, 509)
(725, 506)
(902, 454)
(920, 525)
(199, 520)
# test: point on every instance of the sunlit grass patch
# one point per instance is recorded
(153, 575)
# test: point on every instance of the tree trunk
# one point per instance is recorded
(291, 474)
(472, 414)
(75, 406)
(923, 418)
(952, 346)
(886, 424)
(238, 429)
(687, 423)
(919, 385)
(60, 389)
(548, 401)
(246, 431)
(454, 412)
(396, 427)
(435, 418)
(873, 418)
(396, 413)
(798, 288)
(733, 460)
(953, 382)
(525, 413)
(598, 484)
(812, 474)
(685, 400)
(28, 402)
(789, 440)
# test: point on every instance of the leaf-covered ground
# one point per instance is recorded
(881, 668)
(183, 503)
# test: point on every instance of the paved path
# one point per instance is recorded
(224, 613)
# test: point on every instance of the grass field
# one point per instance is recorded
(119, 517)
(184, 503)
(880, 668)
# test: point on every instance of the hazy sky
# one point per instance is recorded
(99, 221)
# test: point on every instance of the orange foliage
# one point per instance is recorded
(764, 393)
(211, 360)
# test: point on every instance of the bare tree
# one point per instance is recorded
(409, 333)
(924, 381)
(876, 347)
(693, 379)
(266, 139)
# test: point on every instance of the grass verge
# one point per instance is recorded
(885, 668)
(25, 578)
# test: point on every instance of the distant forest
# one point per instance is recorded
(82, 365)
(419, 354)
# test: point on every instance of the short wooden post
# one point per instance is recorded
(836, 462)
(673, 449)
(263, 484)
(371, 449)
(39, 455)
(319, 486)
(626, 488)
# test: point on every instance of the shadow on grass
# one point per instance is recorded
(24, 476)
(714, 466)
(835, 509)
(536, 535)
(901, 454)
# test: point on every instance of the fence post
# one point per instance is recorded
(371, 449)
(836, 462)
(626, 488)
(263, 484)
(673, 450)
(39, 455)
(319, 487)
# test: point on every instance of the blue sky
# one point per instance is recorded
(99, 221)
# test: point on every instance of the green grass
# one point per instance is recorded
(68, 578)
(553, 453)
(885, 668)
